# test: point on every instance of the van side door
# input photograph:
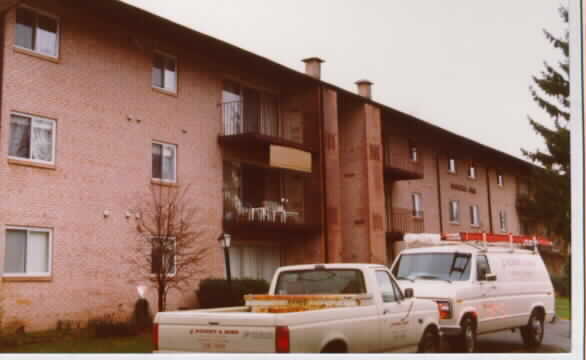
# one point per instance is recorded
(397, 330)
(491, 307)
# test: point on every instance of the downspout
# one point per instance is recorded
(322, 155)
(489, 201)
(439, 193)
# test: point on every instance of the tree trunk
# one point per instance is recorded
(162, 300)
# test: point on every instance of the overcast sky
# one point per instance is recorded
(464, 65)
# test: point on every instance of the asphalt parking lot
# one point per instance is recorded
(556, 340)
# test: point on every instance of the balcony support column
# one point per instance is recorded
(363, 199)
(332, 178)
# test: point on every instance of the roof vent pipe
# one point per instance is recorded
(313, 67)
(364, 88)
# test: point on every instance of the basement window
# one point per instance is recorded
(28, 252)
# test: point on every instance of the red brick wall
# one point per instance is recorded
(103, 162)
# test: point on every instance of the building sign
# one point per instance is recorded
(463, 188)
(288, 158)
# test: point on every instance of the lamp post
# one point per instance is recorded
(224, 240)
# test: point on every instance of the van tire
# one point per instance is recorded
(466, 341)
(430, 341)
(532, 333)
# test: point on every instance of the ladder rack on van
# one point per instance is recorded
(486, 240)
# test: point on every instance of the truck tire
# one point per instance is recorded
(430, 341)
(532, 333)
(466, 341)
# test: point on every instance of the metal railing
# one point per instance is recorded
(405, 221)
(236, 120)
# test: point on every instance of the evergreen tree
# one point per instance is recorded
(550, 203)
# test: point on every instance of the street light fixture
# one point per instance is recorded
(224, 240)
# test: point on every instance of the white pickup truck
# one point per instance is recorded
(355, 308)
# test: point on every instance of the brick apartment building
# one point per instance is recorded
(100, 101)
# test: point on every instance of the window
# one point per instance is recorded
(452, 165)
(249, 110)
(165, 72)
(454, 211)
(28, 252)
(503, 220)
(472, 172)
(433, 266)
(32, 138)
(416, 203)
(254, 262)
(163, 255)
(386, 286)
(413, 152)
(36, 32)
(482, 267)
(320, 281)
(164, 162)
(500, 179)
(474, 217)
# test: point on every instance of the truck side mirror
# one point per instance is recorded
(408, 293)
(490, 277)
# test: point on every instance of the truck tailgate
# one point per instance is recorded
(200, 331)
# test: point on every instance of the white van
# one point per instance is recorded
(480, 289)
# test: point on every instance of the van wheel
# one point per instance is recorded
(430, 342)
(532, 333)
(466, 341)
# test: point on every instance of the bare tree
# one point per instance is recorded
(168, 252)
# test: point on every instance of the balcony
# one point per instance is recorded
(402, 163)
(260, 122)
(404, 221)
(267, 199)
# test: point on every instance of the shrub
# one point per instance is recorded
(216, 292)
(107, 326)
(561, 285)
(142, 317)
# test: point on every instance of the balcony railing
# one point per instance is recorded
(400, 164)
(261, 119)
(405, 221)
(266, 198)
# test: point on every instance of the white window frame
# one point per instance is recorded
(174, 180)
(53, 140)
(413, 153)
(416, 203)
(49, 251)
(503, 221)
(500, 179)
(475, 216)
(456, 220)
(174, 257)
(166, 56)
(57, 37)
(452, 165)
(471, 172)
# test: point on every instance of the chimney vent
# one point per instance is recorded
(313, 67)
(364, 88)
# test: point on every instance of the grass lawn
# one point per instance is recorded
(562, 307)
(86, 344)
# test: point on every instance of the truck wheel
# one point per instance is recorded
(430, 342)
(466, 341)
(532, 333)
